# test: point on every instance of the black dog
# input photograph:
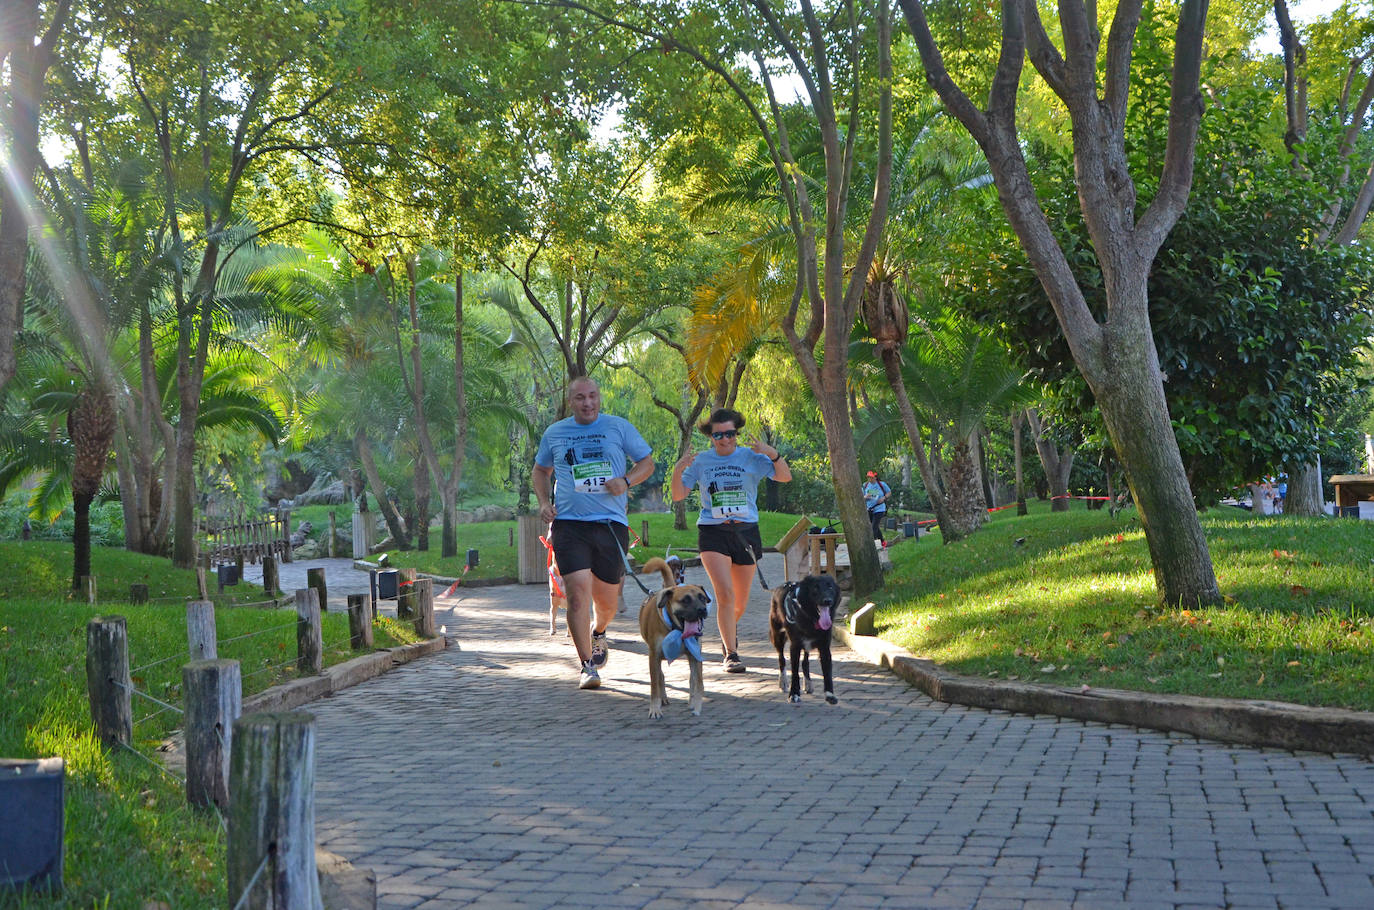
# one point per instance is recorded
(801, 614)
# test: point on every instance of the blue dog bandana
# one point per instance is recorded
(676, 640)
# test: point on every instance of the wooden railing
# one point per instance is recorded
(250, 540)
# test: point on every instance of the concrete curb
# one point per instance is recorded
(298, 692)
(1251, 723)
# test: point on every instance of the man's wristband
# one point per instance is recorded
(777, 458)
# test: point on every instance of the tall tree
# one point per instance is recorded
(842, 59)
(1115, 354)
(1347, 206)
(27, 46)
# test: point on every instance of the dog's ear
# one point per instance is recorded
(665, 598)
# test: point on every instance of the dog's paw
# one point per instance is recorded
(796, 699)
(808, 687)
(696, 712)
(830, 699)
(655, 711)
(782, 683)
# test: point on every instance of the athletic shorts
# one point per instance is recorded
(726, 539)
(579, 545)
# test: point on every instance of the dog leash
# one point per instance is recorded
(625, 558)
(758, 557)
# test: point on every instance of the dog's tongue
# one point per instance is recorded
(691, 628)
(823, 621)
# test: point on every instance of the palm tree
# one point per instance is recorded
(955, 374)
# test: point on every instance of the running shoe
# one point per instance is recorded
(590, 679)
(732, 663)
(599, 649)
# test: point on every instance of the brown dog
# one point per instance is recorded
(674, 615)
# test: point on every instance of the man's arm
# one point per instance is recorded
(639, 471)
(542, 481)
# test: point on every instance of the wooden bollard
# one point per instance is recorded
(405, 593)
(424, 607)
(203, 576)
(138, 594)
(333, 533)
(85, 588)
(213, 695)
(359, 621)
(201, 641)
(644, 532)
(510, 536)
(314, 578)
(107, 679)
(309, 639)
(272, 816)
(269, 576)
(284, 515)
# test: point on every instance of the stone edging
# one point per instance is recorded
(298, 692)
(1252, 723)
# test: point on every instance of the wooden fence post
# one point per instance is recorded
(201, 641)
(213, 696)
(333, 533)
(359, 622)
(644, 532)
(424, 607)
(309, 640)
(405, 593)
(272, 816)
(107, 679)
(531, 556)
(284, 516)
(270, 586)
(138, 594)
(203, 576)
(314, 578)
(85, 586)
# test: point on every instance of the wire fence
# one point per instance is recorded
(238, 905)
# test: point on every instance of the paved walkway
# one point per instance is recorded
(483, 777)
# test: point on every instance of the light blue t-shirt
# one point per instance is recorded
(874, 490)
(583, 458)
(729, 484)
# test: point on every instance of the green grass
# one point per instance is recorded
(131, 841)
(498, 557)
(1076, 605)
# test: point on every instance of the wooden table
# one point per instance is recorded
(1351, 489)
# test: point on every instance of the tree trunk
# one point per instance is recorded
(934, 489)
(1305, 490)
(81, 537)
(1017, 421)
(28, 53)
(374, 480)
(1136, 414)
(980, 453)
(1057, 464)
(964, 498)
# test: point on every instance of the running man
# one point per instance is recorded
(582, 483)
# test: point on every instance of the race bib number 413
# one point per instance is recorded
(591, 476)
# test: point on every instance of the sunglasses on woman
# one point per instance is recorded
(724, 434)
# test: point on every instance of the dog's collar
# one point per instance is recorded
(679, 639)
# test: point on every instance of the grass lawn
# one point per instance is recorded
(1074, 604)
(131, 841)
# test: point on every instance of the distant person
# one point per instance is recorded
(582, 482)
(728, 525)
(875, 497)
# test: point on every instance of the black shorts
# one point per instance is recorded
(581, 545)
(727, 539)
